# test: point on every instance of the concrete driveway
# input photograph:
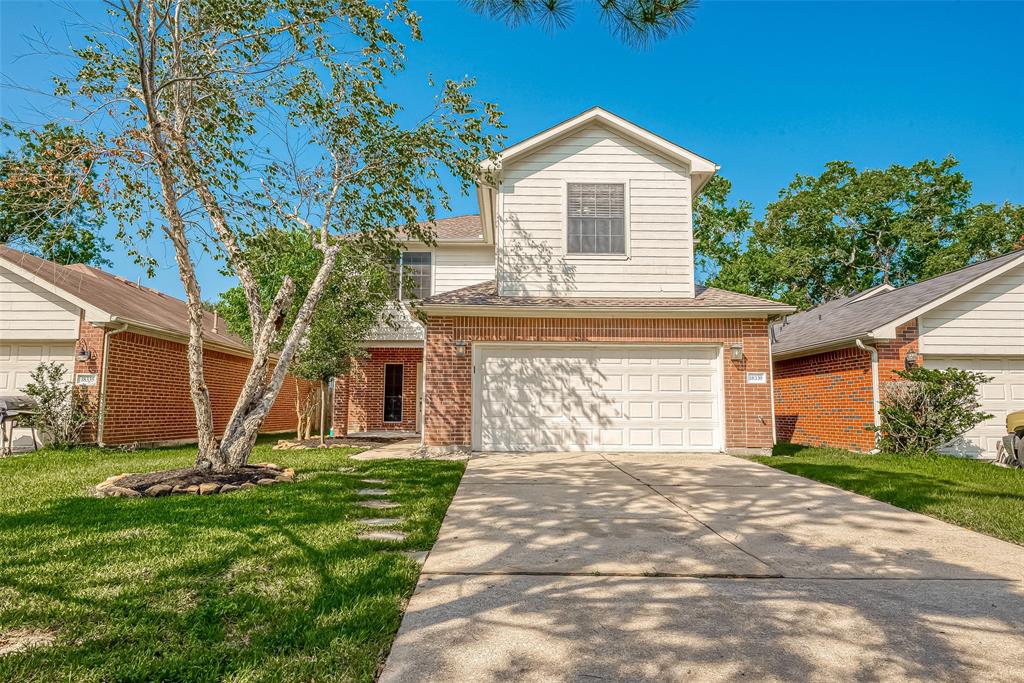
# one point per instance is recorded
(590, 567)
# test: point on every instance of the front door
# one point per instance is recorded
(393, 380)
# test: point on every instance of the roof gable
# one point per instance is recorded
(697, 164)
(843, 320)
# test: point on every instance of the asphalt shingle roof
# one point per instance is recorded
(121, 298)
(485, 294)
(847, 318)
(465, 227)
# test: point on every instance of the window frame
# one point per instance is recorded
(401, 271)
(612, 180)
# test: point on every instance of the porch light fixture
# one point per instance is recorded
(460, 348)
(83, 354)
(736, 352)
(910, 360)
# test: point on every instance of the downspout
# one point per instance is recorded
(875, 401)
(103, 382)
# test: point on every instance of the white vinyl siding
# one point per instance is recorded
(456, 267)
(987, 320)
(18, 360)
(611, 397)
(1004, 394)
(532, 258)
(29, 312)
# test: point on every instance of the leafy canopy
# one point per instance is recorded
(50, 201)
(847, 230)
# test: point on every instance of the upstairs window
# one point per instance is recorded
(415, 283)
(597, 218)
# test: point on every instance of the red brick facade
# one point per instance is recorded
(147, 395)
(359, 404)
(447, 416)
(826, 399)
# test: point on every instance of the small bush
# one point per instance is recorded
(61, 412)
(928, 408)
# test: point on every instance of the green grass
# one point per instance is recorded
(969, 493)
(269, 584)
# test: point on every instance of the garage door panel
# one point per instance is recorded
(538, 397)
(1004, 394)
(18, 360)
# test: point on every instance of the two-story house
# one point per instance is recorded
(565, 315)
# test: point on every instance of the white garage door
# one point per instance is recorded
(532, 397)
(1004, 394)
(18, 359)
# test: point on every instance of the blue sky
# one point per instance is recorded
(766, 90)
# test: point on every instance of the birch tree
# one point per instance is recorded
(217, 118)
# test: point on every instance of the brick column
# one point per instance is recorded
(339, 412)
(447, 403)
(91, 338)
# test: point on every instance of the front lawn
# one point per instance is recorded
(972, 494)
(269, 584)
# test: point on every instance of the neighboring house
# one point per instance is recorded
(124, 345)
(565, 315)
(827, 386)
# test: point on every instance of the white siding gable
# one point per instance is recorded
(456, 267)
(987, 320)
(532, 259)
(29, 312)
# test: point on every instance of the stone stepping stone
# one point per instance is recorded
(396, 536)
(417, 556)
(381, 521)
(378, 504)
(373, 492)
(374, 481)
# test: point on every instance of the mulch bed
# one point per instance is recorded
(189, 481)
(337, 442)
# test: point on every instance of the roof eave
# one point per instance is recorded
(504, 310)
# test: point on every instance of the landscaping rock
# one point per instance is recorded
(266, 482)
(227, 488)
(208, 489)
(120, 492)
(248, 485)
(159, 490)
(192, 489)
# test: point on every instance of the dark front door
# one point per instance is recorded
(393, 373)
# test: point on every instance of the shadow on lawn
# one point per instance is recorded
(270, 583)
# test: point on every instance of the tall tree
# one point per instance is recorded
(232, 115)
(635, 22)
(348, 309)
(49, 195)
(847, 230)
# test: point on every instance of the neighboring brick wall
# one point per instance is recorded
(364, 410)
(148, 398)
(448, 399)
(339, 407)
(92, 338)
(825, 399)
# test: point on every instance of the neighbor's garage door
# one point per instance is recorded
(1004, 394)
(532, 397)
(18, 359)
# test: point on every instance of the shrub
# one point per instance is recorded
(928, 408)
(61, 411)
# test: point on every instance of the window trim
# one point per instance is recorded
(433, 271)
(569, 256)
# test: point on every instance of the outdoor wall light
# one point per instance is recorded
(910, 360)
(460, 348)
(736, 352)
(84, 354)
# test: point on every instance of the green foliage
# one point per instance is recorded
(970, 493)
(635, 22)
(61, 412)
(49, 200)
(847, 230)
(352, 303)
(271, 584)
(929, 408)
